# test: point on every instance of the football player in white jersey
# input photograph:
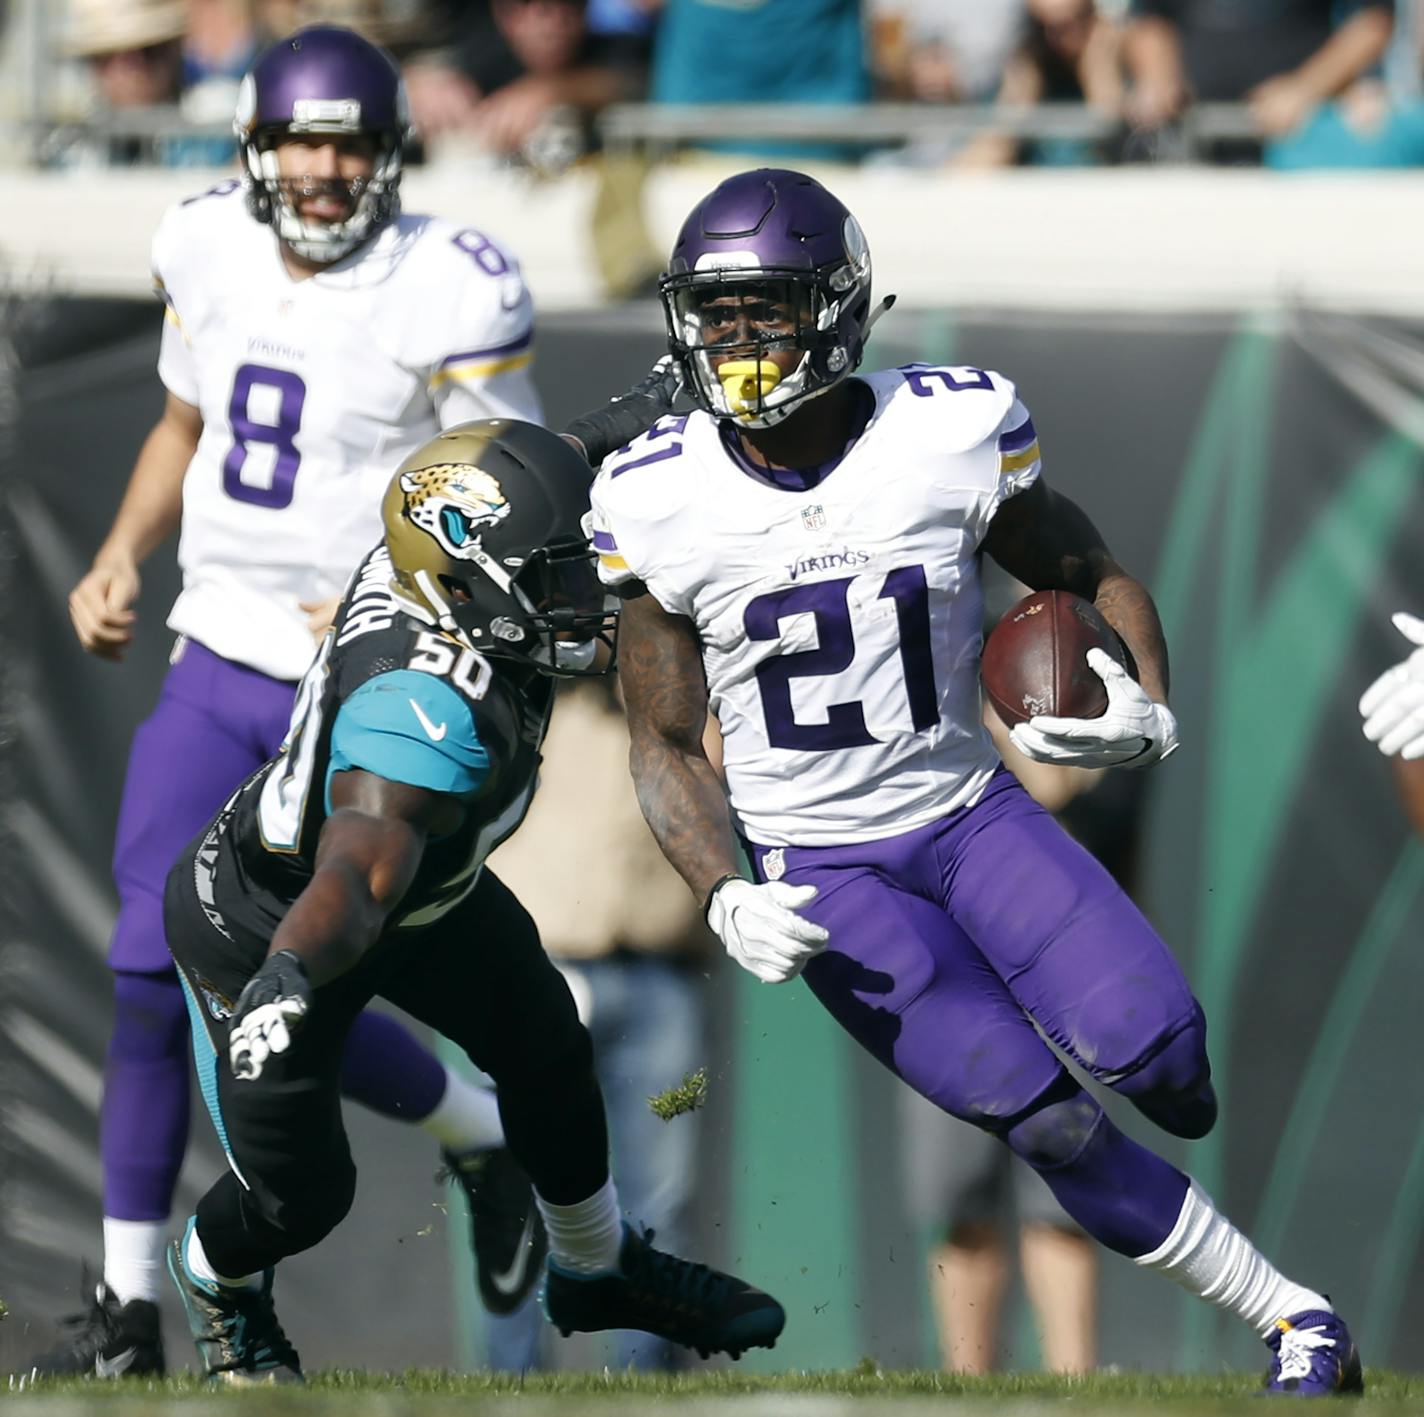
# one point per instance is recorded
(315, 336)
(801, 554)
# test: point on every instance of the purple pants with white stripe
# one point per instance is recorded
(215, 723)
(949, 943)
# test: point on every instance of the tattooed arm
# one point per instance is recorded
(1047, 541)
(660, 662)
(660, 665)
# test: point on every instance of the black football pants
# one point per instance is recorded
(479, 976)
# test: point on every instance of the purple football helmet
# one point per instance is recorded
(766, 241)
(322, 79)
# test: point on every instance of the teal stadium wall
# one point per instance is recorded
(1262, 475)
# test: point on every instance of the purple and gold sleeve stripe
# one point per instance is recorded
(483, 363)
(607, 550)
(1018, 448)
(169, 313)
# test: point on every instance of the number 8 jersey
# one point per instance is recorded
(840, 624)
(311, 391)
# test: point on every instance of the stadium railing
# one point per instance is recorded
(874, 125)
(659, 128)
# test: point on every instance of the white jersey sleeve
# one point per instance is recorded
(975, 417)
(479, 365)
(1017, 462)
(639, 526)
(177, 369)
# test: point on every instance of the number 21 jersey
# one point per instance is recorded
(311, 392)
(840, 625)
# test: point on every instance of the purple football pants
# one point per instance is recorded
(948, 944)
(215, 723)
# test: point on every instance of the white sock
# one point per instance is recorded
(585, 1237)
(467, 1117)
(199, 1266)
(133, 1258)
(1208, 1256)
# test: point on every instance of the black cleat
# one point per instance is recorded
(238, 1337)
(506, 1231)
(686, 1303)
(109, 1340)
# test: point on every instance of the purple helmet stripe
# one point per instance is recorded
(602, 541)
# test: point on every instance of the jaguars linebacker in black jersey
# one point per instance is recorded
(350, 867)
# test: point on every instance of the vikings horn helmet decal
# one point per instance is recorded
(483, 527)
(322, 79)
(778, 239)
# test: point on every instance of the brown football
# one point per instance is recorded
(1035, 659)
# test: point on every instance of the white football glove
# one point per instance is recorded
(1133, 731)
(268, 1011)
(1393, 706)
(761, 929)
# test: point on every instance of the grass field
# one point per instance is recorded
(862, 1393)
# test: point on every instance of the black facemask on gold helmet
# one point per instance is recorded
(483, 526)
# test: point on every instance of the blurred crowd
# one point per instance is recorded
(1321, 83)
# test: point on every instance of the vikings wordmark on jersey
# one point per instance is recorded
(840, 625)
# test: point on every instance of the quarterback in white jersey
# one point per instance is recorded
(801, 554)
(309, 391)
(315, 336)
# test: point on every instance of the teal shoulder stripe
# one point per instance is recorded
(413, 728)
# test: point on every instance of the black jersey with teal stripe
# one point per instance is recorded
(393, 697)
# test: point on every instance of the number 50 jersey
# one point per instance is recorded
(389, 696)
(840, 625)
(311, 391)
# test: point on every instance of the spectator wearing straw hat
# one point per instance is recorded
(133, 51)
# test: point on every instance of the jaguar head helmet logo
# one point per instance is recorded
(452, 502)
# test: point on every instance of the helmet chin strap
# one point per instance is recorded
(409, 603)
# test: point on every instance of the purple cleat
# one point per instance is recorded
(1313, 1355)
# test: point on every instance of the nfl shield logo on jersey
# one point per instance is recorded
(813, 518)
(774, 862)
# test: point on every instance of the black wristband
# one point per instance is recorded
(606, 429)
(295, 958)
(717, 886)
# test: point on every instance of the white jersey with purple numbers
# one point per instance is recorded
(841, 625)
(312, 392)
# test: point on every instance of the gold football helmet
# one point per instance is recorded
(483, 526)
